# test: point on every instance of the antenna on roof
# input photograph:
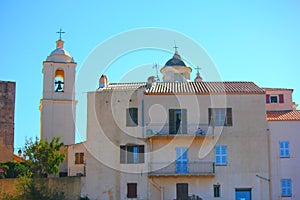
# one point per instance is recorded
(155, 66)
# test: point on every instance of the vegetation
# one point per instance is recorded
(33, 189)
(13, 169)
(43, 158)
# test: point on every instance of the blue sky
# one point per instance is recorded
(248, 41)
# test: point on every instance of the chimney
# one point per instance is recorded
(150, 81)
(103, 82)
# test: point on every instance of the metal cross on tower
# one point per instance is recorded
(197, 68)
(175, 47)
(60, 32)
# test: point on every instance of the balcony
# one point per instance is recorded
(193, 168)
(165, 130)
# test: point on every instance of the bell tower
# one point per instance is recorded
(58, 105)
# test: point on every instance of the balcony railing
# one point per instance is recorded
(193, 168)
(163, 129)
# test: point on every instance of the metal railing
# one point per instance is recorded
(191, 129)
(196, 168)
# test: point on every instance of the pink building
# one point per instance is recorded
(283, 126)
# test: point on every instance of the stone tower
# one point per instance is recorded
(58, 103)
(7, 113)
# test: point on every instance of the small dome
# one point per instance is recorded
(175, 61)
(60, 54)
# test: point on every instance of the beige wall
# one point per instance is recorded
(246, 140)
(58, 108)
(76, 169)
(284, 167)
(106, 131)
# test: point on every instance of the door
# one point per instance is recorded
(178, 121)
(181, 160)
(242, 194)
(182, 191)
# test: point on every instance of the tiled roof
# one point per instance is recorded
(275, 89)
(124, 86)
(204, 88)
(165, 88)
(293, 115)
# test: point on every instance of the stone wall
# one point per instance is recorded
(7, 112)
(70, 186)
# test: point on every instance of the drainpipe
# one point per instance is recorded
(160, 188)
(143, 118)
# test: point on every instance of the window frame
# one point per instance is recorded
(132, 154)
(219, 113)
(223, 157)
(277, 99)
(286, 187)
(132, 116)
(217, 190)
(130, 187)
(284, 149)
(79, 158)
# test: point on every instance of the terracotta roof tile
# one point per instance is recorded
(204, 88)
(124, 86)
(162, 88)
(293, 115)
(275, 89)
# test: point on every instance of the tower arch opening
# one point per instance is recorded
(59, 79)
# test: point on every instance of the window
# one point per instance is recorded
(131, 190)
(178, 121)
(132, 154)
(221, 155)
(179, 78)
(243, 194)
(286, 187)
(274, 98)
(217, 190)
(79, 158)
(182, 160)
(220, 116)
(182, 191)
(131, 116)
(284, 149)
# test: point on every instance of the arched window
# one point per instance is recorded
(59, 80)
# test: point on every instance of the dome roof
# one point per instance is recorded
(59, 51)
(175, 60)
(60, 54)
